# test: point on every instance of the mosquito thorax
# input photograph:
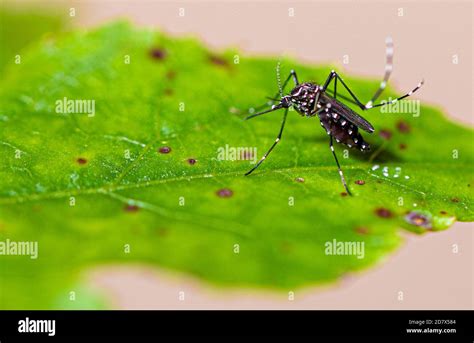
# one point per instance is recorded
(303, 98)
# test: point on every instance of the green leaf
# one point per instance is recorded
(266, 230)
(18, 28)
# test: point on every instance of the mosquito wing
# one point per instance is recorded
(347, 113)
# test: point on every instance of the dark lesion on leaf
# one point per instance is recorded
(246, 155)
(81, 161)
(164, 150)
(157, 53)
(131, 208)
(418, 219)
(362, 230)
(385, 134)
(162, 232)
(224, 193)
(191, 161)
(218, 60)
(403, 126)
(383, 212)
(170, 74)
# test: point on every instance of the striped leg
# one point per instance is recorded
(397, 99)
(273, 145)
(343, 180)
(334, 75)
(388, 70)
(331, 146)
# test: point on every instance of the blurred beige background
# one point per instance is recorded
(428, 37)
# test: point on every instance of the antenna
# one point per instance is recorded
(279, 78)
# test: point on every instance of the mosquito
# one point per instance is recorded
(338, 120)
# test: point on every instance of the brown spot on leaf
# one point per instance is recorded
(246, 155)
(385, 134)
(162, 232)
(344, 194)
(158, 53)
(455, 199)
(224, 193)
(299, 179)
(168, 91)
(403, 127)
(362, 230)
(402, 146)
(286, 247)
(81, 161)
(192, 161)
(170, 74)
(164, 150)
(131, 208)
(217, 60)
(443, 212)
(360, 182)
(383, 212)
(418, 219)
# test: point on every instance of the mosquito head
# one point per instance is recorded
(285, 101)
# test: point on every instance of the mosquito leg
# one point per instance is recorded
(383, 84)
(273, 145)
(271, 101)
(273, 108)
(334, 75)
(383, 103)
(343, 180)
(388, 70)
(295, 77)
